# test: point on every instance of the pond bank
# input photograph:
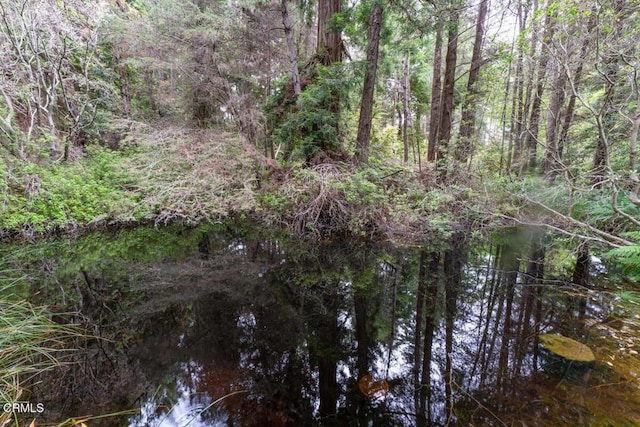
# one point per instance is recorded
(168, 174)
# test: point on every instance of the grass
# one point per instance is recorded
(30, 343)
(190, 174)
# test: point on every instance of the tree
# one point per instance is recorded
(469, 105)
(329, 48)
(533, 125)
(366, 104)
(518, 110)
(436, 95)
(406, 112)
(47, 88)
(448, 92)
(288, 31)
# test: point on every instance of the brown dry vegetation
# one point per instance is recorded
(190, 174)
(392, 203)
(196, 175)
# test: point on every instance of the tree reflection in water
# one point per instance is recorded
(449, 329)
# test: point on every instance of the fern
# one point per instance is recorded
(635, 235)
(625, 251)
(629, 256)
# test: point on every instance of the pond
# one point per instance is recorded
(228, 326)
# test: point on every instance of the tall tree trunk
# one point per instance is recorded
(531, 140)
(448, 90)
(467, 125)
(552, 159)
(518, 106)
(569, 111)
(633, 150)
(436, 92)
(291, 50)
(524, 106)
(328, 52)
(368, 89)
(605, 122)
(405, 108)
(635, 127)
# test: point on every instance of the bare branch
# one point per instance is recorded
(604, 237)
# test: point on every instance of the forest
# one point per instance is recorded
(377, 120)
(396, 121)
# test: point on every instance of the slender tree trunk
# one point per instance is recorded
(575, 82)
(517, 106)
(293, 59)
(605, 122)
(569, 112)
(368, 89)
(525, 91)
(531, 140)
(436, 92)
(467, 125)
(552, 160)
(633, 137)
(505, 102)
(633, 151)
(448, 91)
(405, 108)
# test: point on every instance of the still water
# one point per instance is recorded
(212, 327)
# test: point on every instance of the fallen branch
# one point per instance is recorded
(607, 238)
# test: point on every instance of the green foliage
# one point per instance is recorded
(629, 256)
(49, 197)
(310, 124)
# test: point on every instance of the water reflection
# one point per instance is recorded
(212, 329)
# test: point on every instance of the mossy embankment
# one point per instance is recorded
(173, 174)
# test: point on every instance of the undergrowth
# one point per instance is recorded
(41, 198)
(159, 174)
(190, 174)
(389, 202)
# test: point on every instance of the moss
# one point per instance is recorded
(567, 348)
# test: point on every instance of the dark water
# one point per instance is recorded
(208, 327)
